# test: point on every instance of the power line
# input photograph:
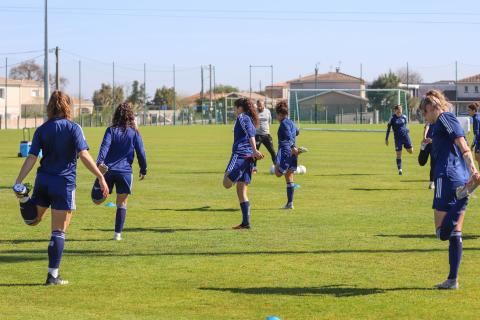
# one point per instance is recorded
(18, 52)
(95, 9)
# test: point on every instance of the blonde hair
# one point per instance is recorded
(59, 106)
(437, 100)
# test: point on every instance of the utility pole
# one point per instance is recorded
(214, 92)
(408, 91)
(144, 94)
(316, 93)
(113, 85)
(6, 90)
(456, 88)
(250, 75)
(80, 91)
(201, 91)
(57, 77)
(174, 98)
(45, 64)
(211, 97)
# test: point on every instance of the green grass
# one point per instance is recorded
(359, 244)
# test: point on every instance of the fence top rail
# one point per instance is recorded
(353, 90)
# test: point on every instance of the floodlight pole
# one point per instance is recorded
(174, 98)
(80, 91)
(316, 87)
(456, 87)
(6, 89)
(45, 63)
(144, 94)
(57, 77)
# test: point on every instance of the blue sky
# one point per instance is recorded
(291, 35)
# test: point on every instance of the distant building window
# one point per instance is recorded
(476, 89)
(2, 93)
(35, 93)
(466, 88)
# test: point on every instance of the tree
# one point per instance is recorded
(225, 88)
(164, 96)
(103, 96)
(384, 99)
(413, 76)
(137, 96)
(29, 70)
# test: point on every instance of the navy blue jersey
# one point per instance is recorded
(430, 128)
(287, 133)
(399, 125)
(476, 127)
(243, 131)
(448, 157)
(60, 141)
(118, 150)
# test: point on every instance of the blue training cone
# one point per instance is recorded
(110, 204)
(296, 186)
(272, 318)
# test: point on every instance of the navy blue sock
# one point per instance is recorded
(455, 254)
(245, 206)
(55, 249)
(399, 164)
(290, 191)
(120, 219)
(28, 209)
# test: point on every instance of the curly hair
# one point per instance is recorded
(124, 116)
(282, 107)
(249, 109)
(474, 106)
(436, 99)
(59, 106)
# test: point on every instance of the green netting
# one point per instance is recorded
(345, 106)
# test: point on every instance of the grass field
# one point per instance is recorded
(359, 244)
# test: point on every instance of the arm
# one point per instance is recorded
(106, 142)
(26, 168)
(389, 126)
(88, 162)
(256, 154)
(461, 143)
(142, 158)
(425, 131)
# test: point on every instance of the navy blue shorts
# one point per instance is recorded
(403, 142)
(54, 191)
(286, 161)
(445, 195)
(122, 182)
(239, 169)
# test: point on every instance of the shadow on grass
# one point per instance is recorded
(339, 291)
(18, 259)
(159, 230)
(198, 209)
(199, 172)
(426, 181)
(377, 189)
(423, 236)
(345, 174)
(20, 241)
(101, 253)
(21, 284)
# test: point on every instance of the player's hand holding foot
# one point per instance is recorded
(141, 176)
(258, 155)
(104, 187)
(295, 151)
